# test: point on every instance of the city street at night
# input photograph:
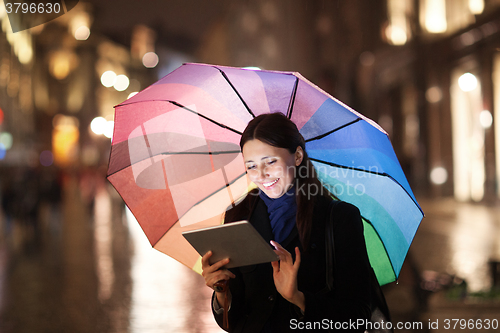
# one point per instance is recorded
(90, 268)
(125, 124)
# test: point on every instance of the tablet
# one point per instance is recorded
(238, 241)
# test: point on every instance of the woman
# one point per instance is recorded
(290, 209)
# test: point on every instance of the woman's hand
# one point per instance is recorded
(285, 275)
(214, 273)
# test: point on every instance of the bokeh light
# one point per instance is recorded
(82, 33)
(486, 119)
(6, 140)
(435, 16)
(439, 175)
(108, 129)
(3, 151)
(396, 35)
(62, 63)
(98, 125)
(433, 94)
(121, 82)
(46, 158)
(367, 58)
(476, 7)
(150, 60)
(132, 94)
(65, 136)
(1, 116)
(108, 79)
(467, 82)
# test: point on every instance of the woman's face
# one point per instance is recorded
(271, 168)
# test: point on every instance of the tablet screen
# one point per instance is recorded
(238, 241)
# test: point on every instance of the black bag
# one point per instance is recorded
(380, 311)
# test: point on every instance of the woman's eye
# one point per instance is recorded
(271, 162)
(250, 167)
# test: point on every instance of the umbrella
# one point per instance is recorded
(175, 157)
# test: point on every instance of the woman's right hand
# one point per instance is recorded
(214, 273)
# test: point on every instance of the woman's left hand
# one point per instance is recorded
(285, 275)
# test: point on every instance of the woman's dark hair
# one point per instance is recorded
(277, 130)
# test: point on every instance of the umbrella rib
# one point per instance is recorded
(218, 190)
(378, 235)
(236, 92)
(201, 152)
(383, 174)
(205, 117)
(208, 196)
(334, 130)
(292, 98)
(177, 153)
(188, 109)
(383, 244)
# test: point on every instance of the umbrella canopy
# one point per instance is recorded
(176, 162)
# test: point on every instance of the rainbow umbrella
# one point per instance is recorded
(175, 157)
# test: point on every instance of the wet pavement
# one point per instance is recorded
(89, 268)
(86, 266)
(447, 278)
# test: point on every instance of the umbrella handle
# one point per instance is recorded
(221, 286)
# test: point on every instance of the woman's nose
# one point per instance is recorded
(261, 173)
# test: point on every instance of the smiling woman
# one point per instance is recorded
(271, 168)
(290, 209)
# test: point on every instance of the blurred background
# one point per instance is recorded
(72, 259)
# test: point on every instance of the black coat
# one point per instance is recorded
(258, 307)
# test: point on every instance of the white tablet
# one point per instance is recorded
(238, 241)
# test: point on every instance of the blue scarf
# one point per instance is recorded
(282, 213)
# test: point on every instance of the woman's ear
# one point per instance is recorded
(299, 155)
